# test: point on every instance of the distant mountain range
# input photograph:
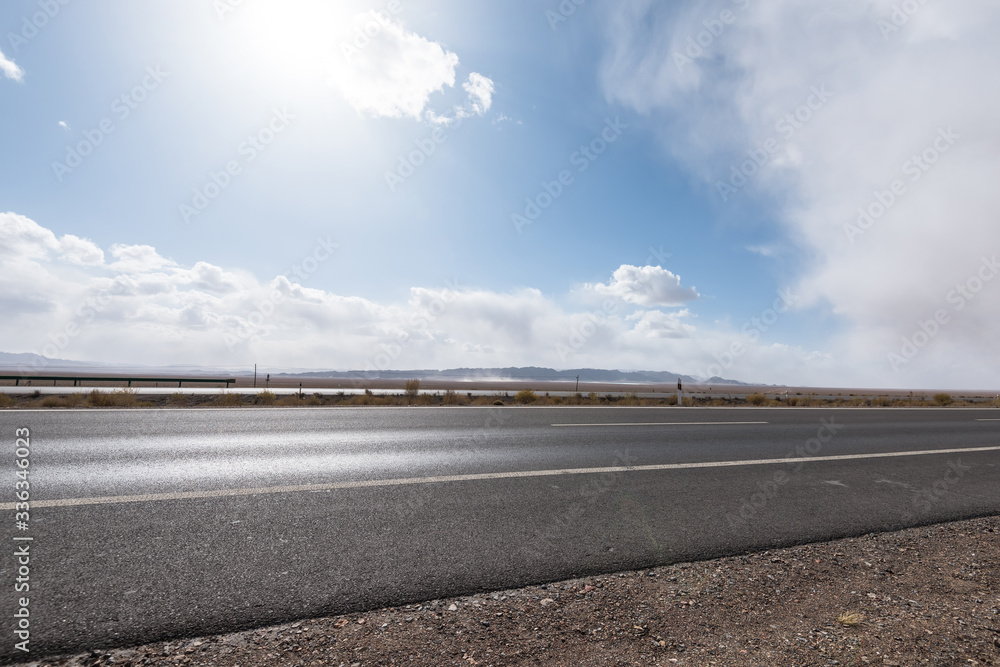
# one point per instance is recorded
(36, 361)
(523, 373)
(33, 363)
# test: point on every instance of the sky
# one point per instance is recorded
(798, 192)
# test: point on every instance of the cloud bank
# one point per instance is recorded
(69, 298)
(868, 129)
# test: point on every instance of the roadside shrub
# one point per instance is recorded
(450, 398)
(942, 399)
(412, 388)
(228, 400)
(631, 399)
(121, 398)
(53, 402)
(756, 399)
(525, 396)
(267, 397)
(178, 398)
(498, 402)
(6, 401)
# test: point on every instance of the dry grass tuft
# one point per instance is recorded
(525, 397)
(121, 398)
(228, 400)
(6, 401)
(851, 619)
(942, 399)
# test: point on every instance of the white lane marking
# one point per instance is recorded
(666, 424)
(988, 420)
(224, 493)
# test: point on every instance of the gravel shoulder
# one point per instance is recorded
(922, 596)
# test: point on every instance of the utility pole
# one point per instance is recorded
(255, 376)
(577, 383)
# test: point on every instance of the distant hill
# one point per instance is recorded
(33, 363)
(522, 373)
(37, 362)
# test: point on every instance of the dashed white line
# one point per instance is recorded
(226, 493)
(664, 424)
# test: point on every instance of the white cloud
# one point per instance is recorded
(24, 238)
(10, 68)
(657, 324)
(137, 258)
(480, 90)
(395, 74)
(66, 300)
(80, 251)
(892, 94)
(645, 286)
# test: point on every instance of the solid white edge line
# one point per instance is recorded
(223, 493)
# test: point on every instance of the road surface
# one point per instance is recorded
(151, 524)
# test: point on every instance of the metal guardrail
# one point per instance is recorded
(83, 378)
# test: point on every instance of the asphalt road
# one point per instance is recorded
(149, 524)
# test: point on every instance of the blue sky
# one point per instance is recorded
(168, 165)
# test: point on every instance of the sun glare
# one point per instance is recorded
(300, 41)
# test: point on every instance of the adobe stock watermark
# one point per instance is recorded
(658, 255)
(566, 9)
(247, 152)
(253, 324)
(924, 500)
(57, 341)
(389, 352)
(407, 165)
(695, 46)
(579, 334)
(915, 168)
(366, 31)
(225, 7)
(787, 126)
(32, 25)
(594, 486)
(901, 14)
(796, 460)
(753, 328)
(121, 108)
(959, 297)
(582, 159)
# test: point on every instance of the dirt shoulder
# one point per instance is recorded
(920, 596)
